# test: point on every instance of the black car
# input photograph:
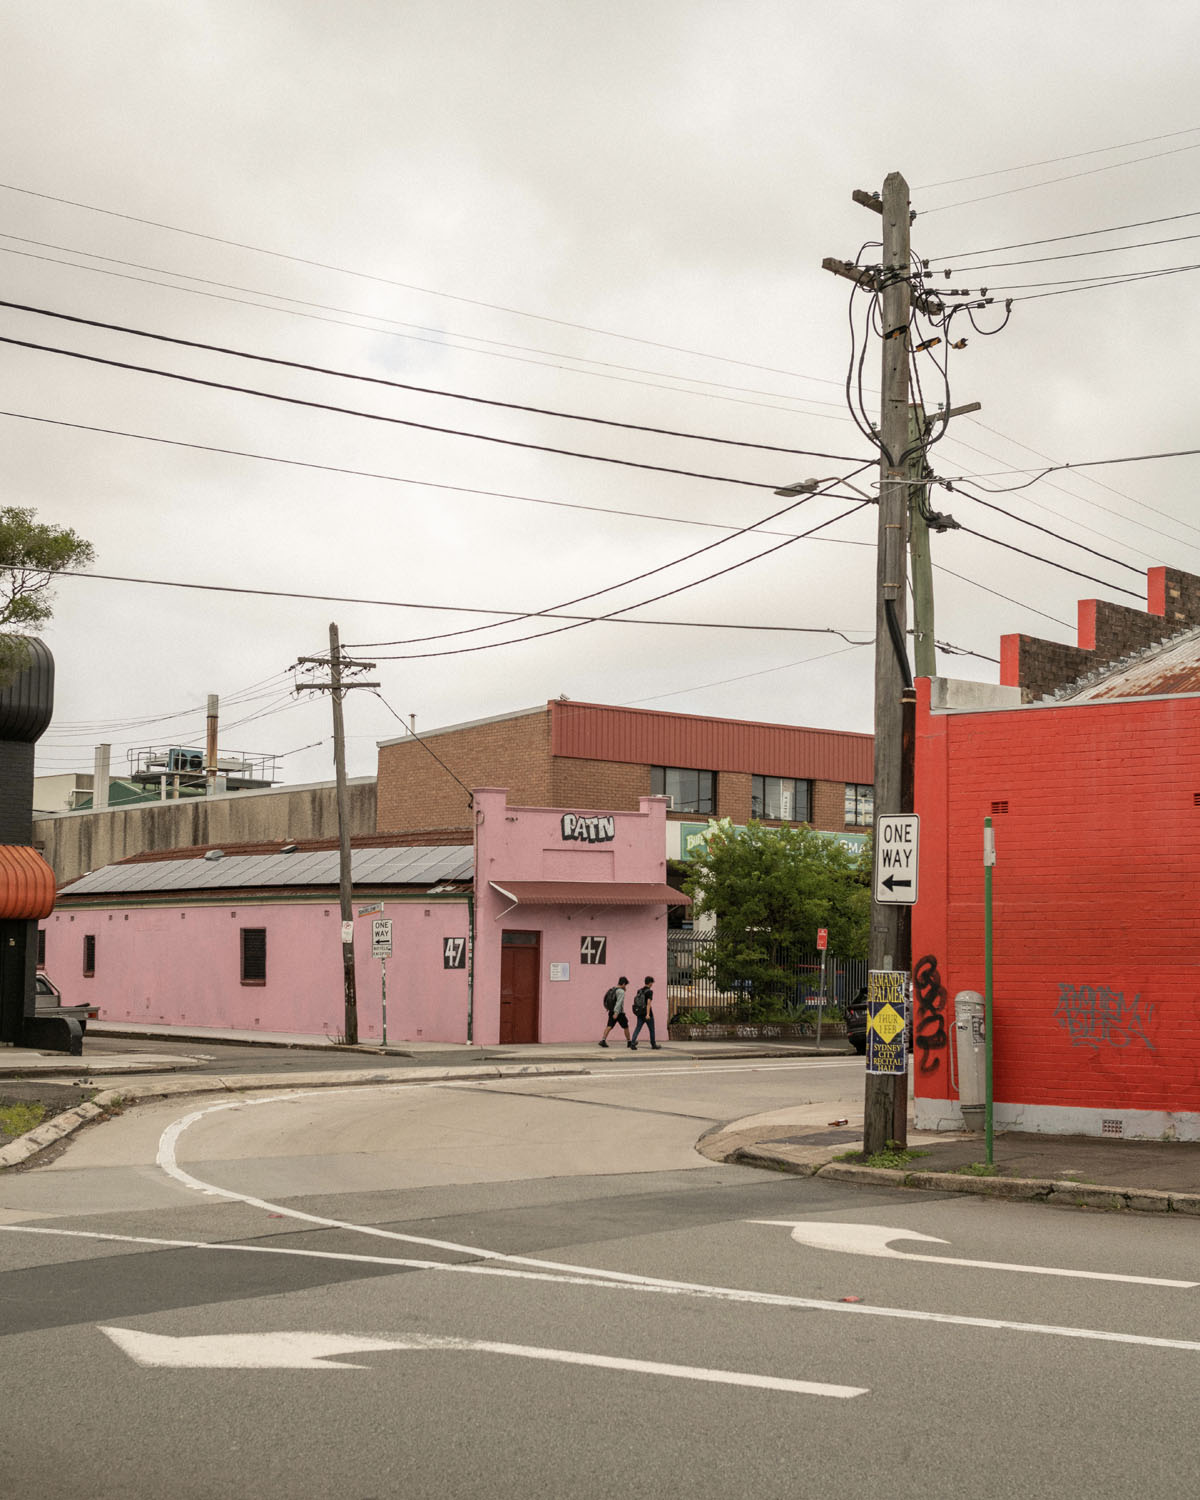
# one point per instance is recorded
(856, 1021)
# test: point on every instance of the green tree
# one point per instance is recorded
(770, 889)
(31, 553)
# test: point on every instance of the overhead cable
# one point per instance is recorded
(346, 411)
(400, 385)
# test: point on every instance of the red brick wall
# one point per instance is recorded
(604, 785)
(1097, 866)
(415, 792)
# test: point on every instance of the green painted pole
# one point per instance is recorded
(989, 860)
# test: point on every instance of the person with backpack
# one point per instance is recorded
(614, 1004)
(643, 1009)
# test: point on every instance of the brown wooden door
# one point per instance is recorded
(520, 966)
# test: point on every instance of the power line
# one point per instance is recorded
(346, 411)
(1121, 281)
(1049, 161)
(400, 385)
(624, 582)
(1037, 557)
(1079, 234)
(1099, 483)
(461, 609)
(641, 604)
(604, 366)
(1050, 181)
(388, 281)
(1090, 463)
(429, 484)
(959, 489)
(408, 729)
(1008, 599)
(1035, 260)
(742, 677)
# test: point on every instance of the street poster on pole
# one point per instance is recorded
(887, 1050)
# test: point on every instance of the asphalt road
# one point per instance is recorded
(537, 1287)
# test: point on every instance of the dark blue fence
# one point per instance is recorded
(787, 983)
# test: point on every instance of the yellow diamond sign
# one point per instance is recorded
(888, 1022)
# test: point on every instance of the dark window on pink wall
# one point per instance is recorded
(89, 955)
(254, 955)
(41, 958)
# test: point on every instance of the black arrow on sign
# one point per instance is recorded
(891, 882)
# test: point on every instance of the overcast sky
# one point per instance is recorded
(615, 210)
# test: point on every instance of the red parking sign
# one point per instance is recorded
(822, 937)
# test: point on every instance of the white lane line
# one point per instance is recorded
(604, 1281)
(872, 1239)
(302, 1350)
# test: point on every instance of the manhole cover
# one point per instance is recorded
(818, 1138)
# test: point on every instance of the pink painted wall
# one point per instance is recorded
(172, 965)
(526, 843)
(180, 964)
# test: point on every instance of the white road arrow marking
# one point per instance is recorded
(874, 1239)
(313, 1351)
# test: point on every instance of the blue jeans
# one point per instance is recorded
(648, 1022)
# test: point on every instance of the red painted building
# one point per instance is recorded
(1094, 795)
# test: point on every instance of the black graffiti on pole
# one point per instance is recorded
(930, 1036)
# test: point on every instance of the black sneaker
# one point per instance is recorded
(654, 1047)
(604, 1044)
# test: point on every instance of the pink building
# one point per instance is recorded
(513, 939)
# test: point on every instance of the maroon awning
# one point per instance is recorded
(589, 893)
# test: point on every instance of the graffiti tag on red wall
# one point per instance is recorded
(1096, 1015)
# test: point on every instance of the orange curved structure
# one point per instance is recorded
(26, 883)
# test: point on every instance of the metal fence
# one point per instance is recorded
(695, 982)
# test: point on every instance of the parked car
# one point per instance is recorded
(856, 1022)
(48, 1001)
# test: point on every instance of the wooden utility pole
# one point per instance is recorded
(885, 1109)
(924, 649)
(336, 687)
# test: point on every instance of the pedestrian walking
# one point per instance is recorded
(643, 1010)
(614, 1004)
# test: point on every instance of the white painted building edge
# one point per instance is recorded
(1053, 1119)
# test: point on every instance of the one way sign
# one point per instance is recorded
(896, 840)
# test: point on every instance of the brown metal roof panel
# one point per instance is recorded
(592, 731)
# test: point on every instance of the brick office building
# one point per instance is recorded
(1093, 788)
(594, 757)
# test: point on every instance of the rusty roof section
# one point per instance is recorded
(1169, 669)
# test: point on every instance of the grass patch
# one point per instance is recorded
(893, 1158)
(979, 1169)
(16, 1119)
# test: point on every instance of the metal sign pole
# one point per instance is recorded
(821, 1007)
(989, 860)
(383, 984)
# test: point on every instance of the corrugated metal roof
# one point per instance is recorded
(392, 866)
(593, 731)
(1171, 667)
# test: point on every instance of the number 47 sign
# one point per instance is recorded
(897, 837)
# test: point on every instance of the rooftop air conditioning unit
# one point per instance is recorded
(189, 762)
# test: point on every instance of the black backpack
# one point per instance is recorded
(641, 1000)
(610, 999)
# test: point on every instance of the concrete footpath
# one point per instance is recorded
(1066, 1171)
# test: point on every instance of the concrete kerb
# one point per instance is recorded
(143, 1091)
(1016, 1189)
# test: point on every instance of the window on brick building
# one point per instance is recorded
(781, 797)
(89, 955)
(689, 791)
(254, 955)
(860, 805)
